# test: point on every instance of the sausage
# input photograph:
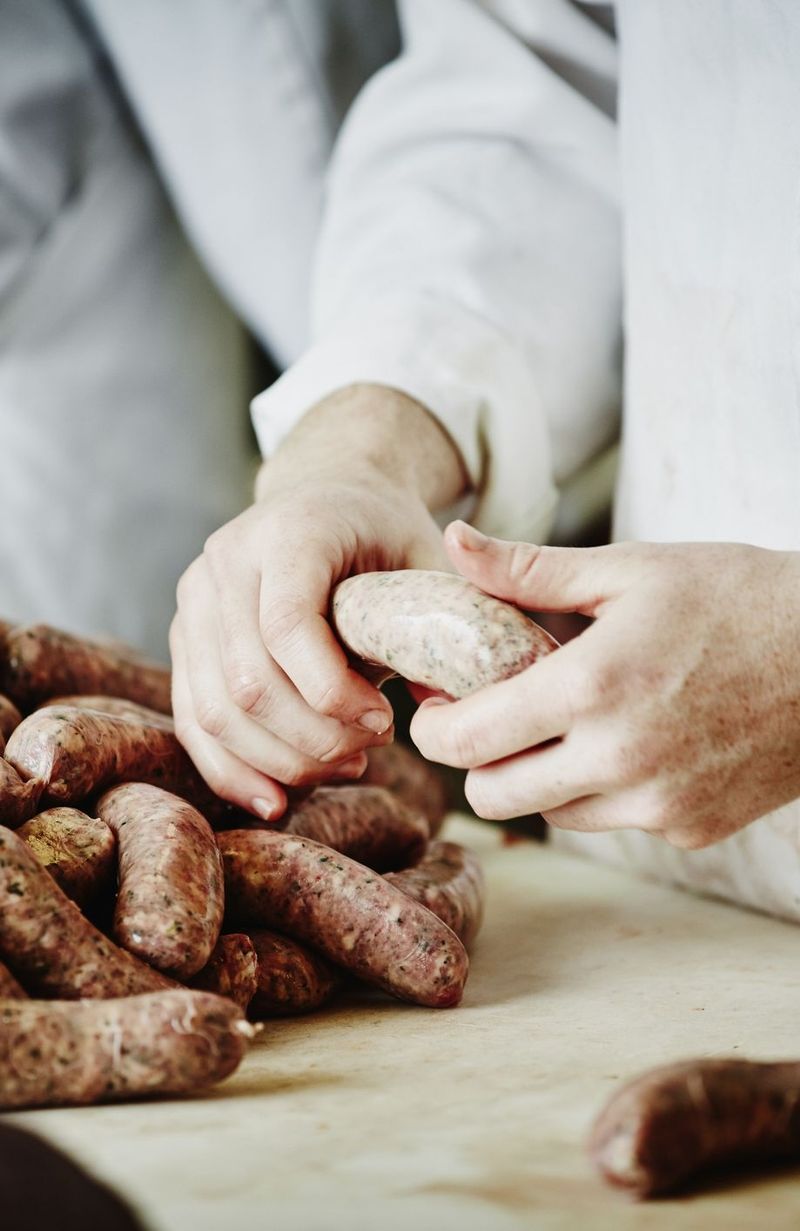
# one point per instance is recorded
(118, 706)
(411, 778)
(62, 1054)
(349, 913)
(9, 988)
(290, 977)
(435, 629)
(49, 945)
(41, 662)
(19, 794)
(364, 822)
(232, 970)
(170, 900)
(10, 716)
(448, 880)
(676, 1122)
(77, 850)
(78, 752)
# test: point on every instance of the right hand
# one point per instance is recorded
(262, 691)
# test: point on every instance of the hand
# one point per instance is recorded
(262, 692)
(677, 711)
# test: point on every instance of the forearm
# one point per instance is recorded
(370, 430)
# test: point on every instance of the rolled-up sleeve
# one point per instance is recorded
(469, 253)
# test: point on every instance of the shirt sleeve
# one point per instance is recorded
(469, 253)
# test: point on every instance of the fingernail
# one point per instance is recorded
(376, 721)
(430, 702)
(469, 537)
(267, 809)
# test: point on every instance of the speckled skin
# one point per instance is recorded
(79, 751)
(170, 900)
(118, 706)
(670, 1125)
(10, 716)
(435, 629)
(364, 822)
(448, 880)
(411, 778)
(232, 970)
(9, 988)
(77, 850)
(290, 978)
(49, 945)
(349, 913)
(62, 1054)
(19, 795)
(44, 662)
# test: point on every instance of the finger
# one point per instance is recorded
(502, 719)
(541, 578)
(535, 781)
(214, 712)
(598, 814)
(226, 774)
(293, 624)
(259, 688)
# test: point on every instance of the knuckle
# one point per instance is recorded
(583, 690)
(330, 699)
(212, 717)
(461, 746)
(481, 800)
(249, 692)
(280, 619)
(331, 750)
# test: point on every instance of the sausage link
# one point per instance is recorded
(411, 778)
(349, 913)
(676, 1122)
(118, 706)
(10, 717)
(364, 822)
(62, 1054)
(78, 752)
(9, 988)
(232, 970)
(170, 901)
(448, 880)
(19, 794)
(290, 977)
(77, 850)
(435, 629)
(50, 946)
(41, 662)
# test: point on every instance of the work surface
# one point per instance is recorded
(380, 1115)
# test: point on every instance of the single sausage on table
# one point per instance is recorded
(50, 946)
(349, 913)
(232, 969)
(448, 880)
(62, 1054)
(9, 988)
(435, 629)
(77, 752)
(411, 778)
(673, 1123)
(290, 977)
(77, 850)
(170, 900)
(40, 662)
(19, 794)
(364, 822)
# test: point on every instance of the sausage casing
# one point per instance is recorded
(232, 969)
(349, 913)
(435, 629)
(77, 850)
(365, 822)
(62, 1053)
(19, 794)
(290, 977)
(448, 880)
(170, 899)
(49, 945)
(411, 778)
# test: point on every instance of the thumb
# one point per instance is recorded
(539, 578)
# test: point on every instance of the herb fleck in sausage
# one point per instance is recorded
(672, 1124)
(77, 850)
(346, 911)
(61, 1054)
(170, 900)
(435, 629)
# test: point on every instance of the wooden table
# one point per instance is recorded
(383, 1117)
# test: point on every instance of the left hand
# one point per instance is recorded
(677, 711)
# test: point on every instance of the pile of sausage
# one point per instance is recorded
(145, 924)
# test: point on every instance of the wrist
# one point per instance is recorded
(370, 433)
